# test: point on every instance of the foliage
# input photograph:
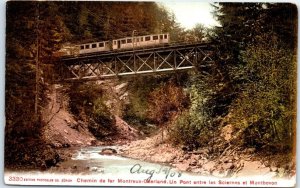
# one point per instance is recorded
(258, 70)
(193, 127)
(165, 101)
(87, 102)
(90, 21)
(251, 81)
(264, 108)
(197, 34)
(33, 31)
(138, 91)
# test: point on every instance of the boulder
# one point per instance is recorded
(108, 151)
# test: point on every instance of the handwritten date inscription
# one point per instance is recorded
(166, 171)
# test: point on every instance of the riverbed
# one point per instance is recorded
(89, 167)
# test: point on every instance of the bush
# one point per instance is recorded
(193, 128)
(166, 101)
(103, 121)
(87, 102)
(138, 90)
(184, 132)
(141, 90)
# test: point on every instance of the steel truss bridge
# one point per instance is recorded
(103, 65)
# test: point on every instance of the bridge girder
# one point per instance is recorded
(134, 62)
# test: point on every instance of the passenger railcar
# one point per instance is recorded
(140, 41)
(94, 47)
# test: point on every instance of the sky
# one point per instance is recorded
(189, 13)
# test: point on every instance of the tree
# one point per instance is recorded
(34, 31)
(166, 102)
(257, 94)
(265, 107)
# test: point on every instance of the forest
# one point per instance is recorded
(251, 85)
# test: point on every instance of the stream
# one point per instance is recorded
(88, 167)
(90, 161)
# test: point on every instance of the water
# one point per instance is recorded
(89, 161)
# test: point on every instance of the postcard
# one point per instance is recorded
(141, 93)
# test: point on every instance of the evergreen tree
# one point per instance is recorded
(34, 31)
(243, 31)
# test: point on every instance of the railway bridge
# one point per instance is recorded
(150, 60)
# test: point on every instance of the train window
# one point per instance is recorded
(81, 47)
(137, 40)
(155, 37)
(166, 36)
(115, 42)
(94, 45)
(161, 37)
(101, 44)
(147, 38)
(87, 46)
(129, 40)
(142, 39)
(123, 41)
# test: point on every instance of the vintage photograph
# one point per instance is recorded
(141, 93)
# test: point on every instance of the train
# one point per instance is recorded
(126, 43)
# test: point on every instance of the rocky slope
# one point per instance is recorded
(64, 133)
(61, 129)
(231, 162)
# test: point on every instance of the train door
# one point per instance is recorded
(119, 44)
(161, 39)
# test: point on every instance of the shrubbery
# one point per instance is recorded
(265, 107)
(87, 102)
(155, 99)
(193, 127)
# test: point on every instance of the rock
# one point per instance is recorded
(228, 166)
(108, 151)
(182, 166)
(186, 156)
(66, 145)
(250, 150)
(231, 166)
(209, 165)
(68, 121)
(273, 169)
(242, 162)
(202, 151)
(93, 169)
(218, 174)
(194, 163)
(56, 145)
(226, 132)
(280, 172)
(78, 142)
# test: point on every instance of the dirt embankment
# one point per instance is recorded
(64, 133)
(62, 130)
(228, 162)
